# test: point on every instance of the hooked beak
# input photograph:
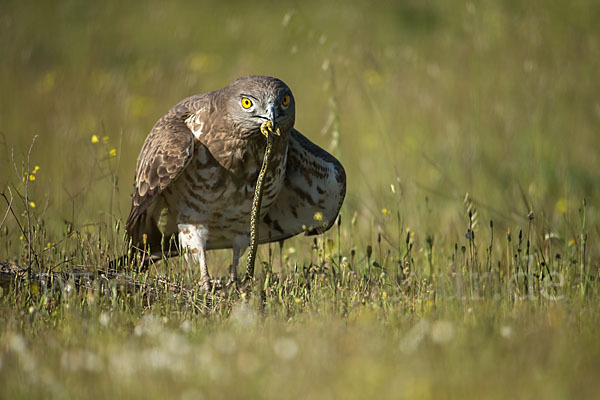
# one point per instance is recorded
(271, 115)
(270, 126)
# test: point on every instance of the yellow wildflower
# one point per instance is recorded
(561, 206)
(32, 204)
(36, 169)
(95, 139)
(113, 152)
(318, 216)
(105, 139)
(32, 177)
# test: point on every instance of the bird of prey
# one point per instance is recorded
(197, 171)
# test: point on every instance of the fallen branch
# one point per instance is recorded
(11, 275)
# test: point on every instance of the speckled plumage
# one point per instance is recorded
(197, 170)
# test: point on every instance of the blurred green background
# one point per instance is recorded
(499, 99)
(424, 102)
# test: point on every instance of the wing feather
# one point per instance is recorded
(312, 195)
(166, 152)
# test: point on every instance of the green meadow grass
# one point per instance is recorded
(465, 263)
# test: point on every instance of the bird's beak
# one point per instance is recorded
(270, 125)
(271, 114)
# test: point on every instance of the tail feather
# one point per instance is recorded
(146, 244)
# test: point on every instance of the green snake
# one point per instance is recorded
(267, 130)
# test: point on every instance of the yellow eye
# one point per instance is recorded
(246, 103)
(286, 100)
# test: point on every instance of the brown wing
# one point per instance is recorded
(313, 192)
(164, 155)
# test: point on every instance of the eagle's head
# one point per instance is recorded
(253, 100)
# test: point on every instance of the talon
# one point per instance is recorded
(206, 284)
(232, 283)
(232, 280)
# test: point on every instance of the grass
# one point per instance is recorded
(466, 261)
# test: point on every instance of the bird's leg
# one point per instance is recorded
(192, 239)
(239, 245)
(234, 265)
